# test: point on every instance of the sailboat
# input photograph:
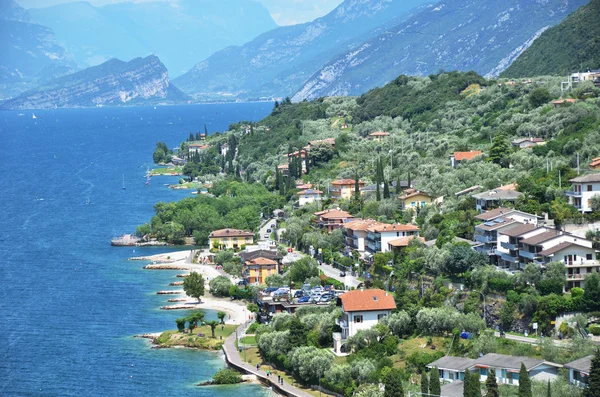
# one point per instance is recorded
(124, 188)
(33, 116)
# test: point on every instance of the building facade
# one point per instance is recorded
(230, 239)
(344, 188)
(255, 271)
(362, 309)
(584, 188)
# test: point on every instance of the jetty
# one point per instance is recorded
(165, 266)
(173, 292)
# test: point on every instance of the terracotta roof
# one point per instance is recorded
(309, 191)
(540, 238)
(379, 133)
(304, 186)
(518, 230)
(328, 140)
(333, 214)
(283, 166)
(595, 163)
(346, 182)
(460, 156)
(367, 300)
(360, 224)
(404, 241)
(230, 233)
(561, 101)
(261, 262)
(496, 212)
(586, 178)
(510, 186)
(384, 227)
(413, 193)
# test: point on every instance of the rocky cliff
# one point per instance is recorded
(480, 35)
(141, 81)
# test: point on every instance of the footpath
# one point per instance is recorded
(233, 358)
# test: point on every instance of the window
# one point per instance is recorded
(588, 257)
(358, 319)
(589, 188)
(483, 371)
(413, 204)
(380, 316)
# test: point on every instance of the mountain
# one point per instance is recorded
(141, 81)
(29, 52)
(179, 32)
(276, 63)
(480, 35)
(571, 46)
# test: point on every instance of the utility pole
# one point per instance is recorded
(577, 163)
(559, 181)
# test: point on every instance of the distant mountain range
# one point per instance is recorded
(179, 32)
(480, 35)
(142, 81)
(29, 53)
(573, 45)
(278, 62)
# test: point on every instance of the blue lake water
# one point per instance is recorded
(69, 302)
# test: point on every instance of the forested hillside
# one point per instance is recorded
(572, 46)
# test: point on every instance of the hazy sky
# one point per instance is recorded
(284, 12)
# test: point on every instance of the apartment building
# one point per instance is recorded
(584, 188)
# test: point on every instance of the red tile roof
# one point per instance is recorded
(261, 262)
(384, 227)
(561, 101)
(404, 241)
(231, 233)
(460, 156)
(309, 191)
(334, 214)
(360, 224)
(367, 300)
(346, 182)
(379, 133)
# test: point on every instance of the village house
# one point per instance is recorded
(332, 219)
(255, 271)
(380, 234)
(452, 368)
(284, 169)
(579, 371)
(224, 149)
(378, 136)
(575, 78)
(584, 188)
(400, 243)
(361, 310)
(523, 143)
(196, 147)
(595, 164)
(308, 196)
(457, 157)
(356, 233)
(413, 198)
(496, 198)
(344, 188)
(230, 238)
(330, 141)
(562, 102)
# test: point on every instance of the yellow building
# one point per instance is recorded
(230, 238)
(344, 188)
(413, 198)
(257, 270)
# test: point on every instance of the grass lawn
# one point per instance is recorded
(176, 338)
(249, 340)
(166, 171)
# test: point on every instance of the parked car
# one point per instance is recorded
(272, 225)
(281, 291)
(268, 230)
(342, 274)
(266, 236)
(304, 299)
(242, 282)
(299, 294)
(269, 290)
(326, 297)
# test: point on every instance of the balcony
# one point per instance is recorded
(485, 238)
(509, 246)
(584, 263)
(342, 323)
(575, 277)
(528, 255)
(507, 257)
(571, 193)
(485, 249)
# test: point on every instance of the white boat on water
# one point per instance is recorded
(33, 116)
(125, 240)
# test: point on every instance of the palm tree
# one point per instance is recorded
(212, 324)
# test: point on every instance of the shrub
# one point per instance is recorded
(595, 330)
(226, 376)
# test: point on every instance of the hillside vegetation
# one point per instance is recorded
(571, 46)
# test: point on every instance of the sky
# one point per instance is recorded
(284, 12)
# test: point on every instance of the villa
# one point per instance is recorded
(230, 238)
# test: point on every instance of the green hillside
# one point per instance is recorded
(573, 45)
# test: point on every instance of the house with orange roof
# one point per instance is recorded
(380, 234)
(330, 141)
(356, 233)
(308, 196)
(196, 147)
(400, 243)
(361, 310)
(284, 169)
(413, 198)
(457, 157)
(344, 188)
(230, 238)
(255, 271)
(595, 164)
(562, 102)
(332, 219)
(378, 136)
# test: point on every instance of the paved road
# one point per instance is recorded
(332, 272)
(524, 339)
(263, 230)
(234, 359)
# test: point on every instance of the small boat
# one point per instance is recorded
(125, 240)
(33, 116)
(20, 114)
(124, 188)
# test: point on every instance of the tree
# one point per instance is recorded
(321, 152)
(221, 316)
(500, 151)
(549, 394)
(593, 387)
(386, 190)
(356, 187)
(275, 280)
(591, 294)
(424, 384)
(435, 389)
(491, 384)
(193, 285)
(539, 97)
(180, 324)
(595, 203)
(524, 383)
(219, 286)
(462, 258)
(393, 384)
(298, 332)
(212, 324)
(467, 381)
(507, 315)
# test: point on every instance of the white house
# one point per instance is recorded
(380, 234)
(579, 371)
(356, 233)
(362, 309)
(584, 188)
(452, 368)
(308, 196)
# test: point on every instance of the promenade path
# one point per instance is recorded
(233, 358)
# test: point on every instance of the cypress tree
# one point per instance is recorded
(356, 187)
(424, 384)
(378, 192)
(467, 389)
(237, 171)
(191, 137)
(398, 187)
(386, 190)
(524, 383)
(307, 161)
(475, 385)
(230, 169)
(205, 130)
(281, 187)
(277, 178)
(549, 391)
(492, 385)
(434, 383)
(593, 387)
(393, 384)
